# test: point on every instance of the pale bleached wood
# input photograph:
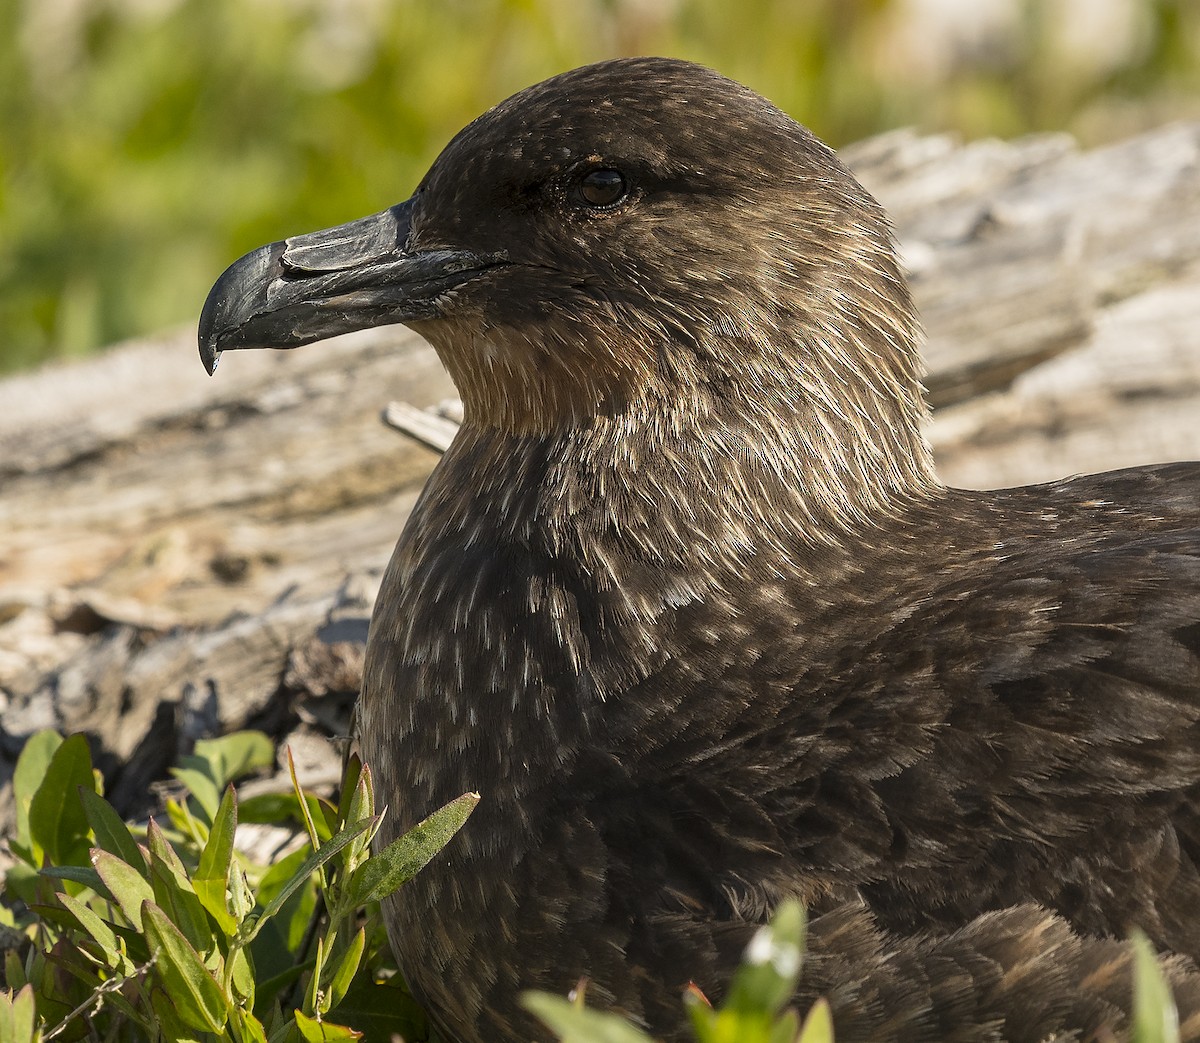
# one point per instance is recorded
(426, 427)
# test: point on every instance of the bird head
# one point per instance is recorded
(632, 239)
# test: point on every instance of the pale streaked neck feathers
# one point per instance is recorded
(799, 402)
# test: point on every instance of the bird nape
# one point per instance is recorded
(686, 603)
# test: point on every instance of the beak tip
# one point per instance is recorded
(210, 354)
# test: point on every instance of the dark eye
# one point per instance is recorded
(603, 188)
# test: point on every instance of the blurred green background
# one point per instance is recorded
(146, 143)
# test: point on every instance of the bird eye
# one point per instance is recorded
(600, 189)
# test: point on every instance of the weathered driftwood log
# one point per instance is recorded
(181, 555)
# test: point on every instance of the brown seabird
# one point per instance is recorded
(687, 604)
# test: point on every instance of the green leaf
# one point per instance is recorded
(243, 975)
(246, 1027)
(206, 791)
(176, 898)
(403, 858)
(309, 822)
(1155, 1019)
(32, 765)
(269, 808)
(14, 970)
(180, 816)
(162, 850)
(212, 875)
(771, 968)
(127, 886)
(53, 915)
(57, 823)
(312, 992)
(112, 835)
(275, 808)
(85, 875)
(347, 967)
(315, 1031)
(234, 755)
(173, 890)
(241, 898)
(786, 1029)
(575, 1024)
(360, 802)
(818, 1026)
(310, 865)
(171, 1026)
(350, 776)
(20, 882)
(18, 1018)
(197, 997)
(93, 925)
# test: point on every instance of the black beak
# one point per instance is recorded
(314, 286)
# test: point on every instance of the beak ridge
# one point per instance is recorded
(320, 284)
(347, 246)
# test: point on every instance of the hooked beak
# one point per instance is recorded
(318, 285)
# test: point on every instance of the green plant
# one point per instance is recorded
(755, 1011)
(168, 933)
(1155, 1019)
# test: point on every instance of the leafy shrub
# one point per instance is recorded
(167, 933)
